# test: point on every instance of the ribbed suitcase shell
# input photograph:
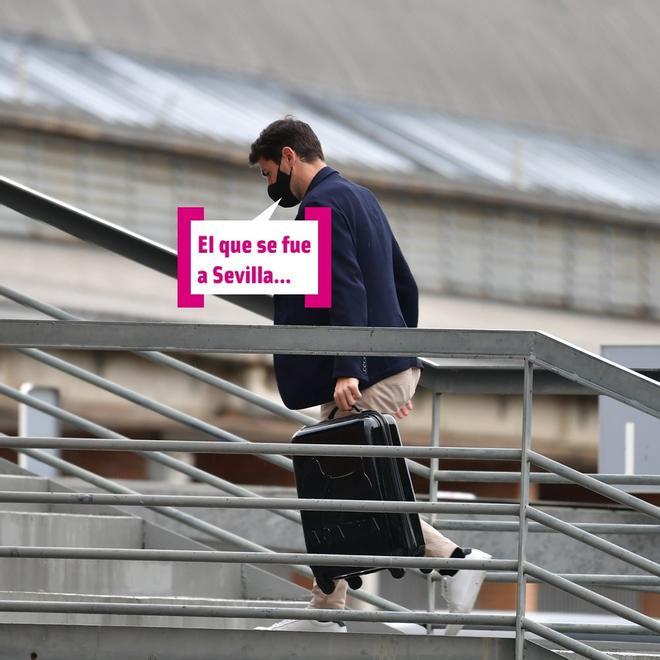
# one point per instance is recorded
(349, 477)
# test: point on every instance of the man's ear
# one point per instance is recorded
(288, 153)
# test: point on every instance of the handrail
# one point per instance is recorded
(92, 229)
(546, 478)
(270, 503)
(84, 607)
(288, 339)
(602, 579)
(514, 526)
(259, 448)
(602, 375)
(599, 373)
(228, 557)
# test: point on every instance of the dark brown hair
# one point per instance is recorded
(287, 132)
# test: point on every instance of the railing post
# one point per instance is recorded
(528, 386)
(433, 491)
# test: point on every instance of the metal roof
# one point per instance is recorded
(125, 90)
(585, 68)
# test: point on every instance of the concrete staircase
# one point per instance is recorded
(179, 583)
(73, 636)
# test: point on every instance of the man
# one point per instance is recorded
(372, 285)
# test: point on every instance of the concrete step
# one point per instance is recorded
(81, 642)
(9, 482)
(69, 530)
(124, 578)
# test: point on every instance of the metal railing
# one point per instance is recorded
(638, 391)
(556, 365)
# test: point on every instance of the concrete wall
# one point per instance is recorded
(478, 250)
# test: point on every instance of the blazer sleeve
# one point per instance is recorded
(406, 287)
(349, 295)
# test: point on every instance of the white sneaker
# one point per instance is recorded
(461, 590)
(306, 625)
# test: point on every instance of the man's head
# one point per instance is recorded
(289, 155)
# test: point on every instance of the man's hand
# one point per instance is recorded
(404, 410)
(346, 392)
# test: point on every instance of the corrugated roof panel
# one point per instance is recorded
(526, 160)
(431, 132)
(250, 106)
(58, 75)
(233, 111)
(122, 89)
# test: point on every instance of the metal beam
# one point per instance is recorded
(545, 477)
(309, 613)
(465, 376)
(294, 339)
(549, 352)
(502, 380)
(293, 503)
(229, 557)
(92, 229)
(601, 579)
(600, 374)
(258, 448)
(512, 526)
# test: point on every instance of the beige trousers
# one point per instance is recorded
(386, 396)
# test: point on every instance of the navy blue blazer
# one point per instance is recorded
(371, 286)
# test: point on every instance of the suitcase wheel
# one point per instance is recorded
(397, 573)
(354, 582)
(326, 585)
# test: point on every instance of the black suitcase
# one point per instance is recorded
(354, 477)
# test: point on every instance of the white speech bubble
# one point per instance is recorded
(245, 266)
(266, 215)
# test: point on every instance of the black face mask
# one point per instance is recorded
(281, 190)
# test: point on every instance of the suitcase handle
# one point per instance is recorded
(375, 413)
(335, 409)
